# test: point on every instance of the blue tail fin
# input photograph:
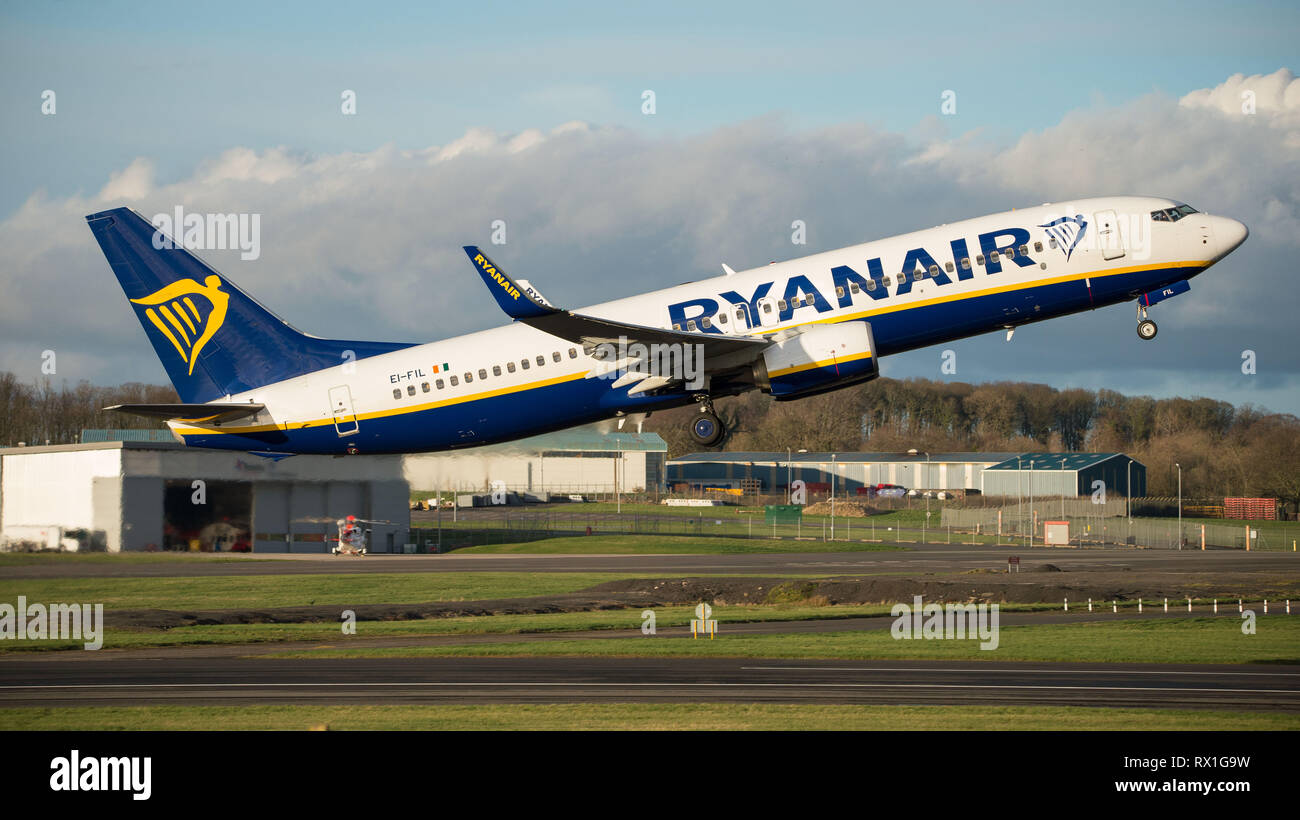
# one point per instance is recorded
(213, 339)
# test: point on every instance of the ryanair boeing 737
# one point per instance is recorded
(250, 381)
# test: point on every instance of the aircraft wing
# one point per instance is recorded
(191, 412)
(519, 303)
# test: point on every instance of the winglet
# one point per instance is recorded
(512, 298)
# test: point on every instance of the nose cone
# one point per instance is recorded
(1230, 234)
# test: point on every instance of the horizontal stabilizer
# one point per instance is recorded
(191, 412)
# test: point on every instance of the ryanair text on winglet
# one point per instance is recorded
(497, 277)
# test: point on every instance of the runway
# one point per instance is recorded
(209, 681)
(916, 557)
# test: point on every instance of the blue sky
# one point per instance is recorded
(179, 84)
(827, 112)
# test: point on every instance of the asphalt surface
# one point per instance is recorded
(205, 681)
(916, 557)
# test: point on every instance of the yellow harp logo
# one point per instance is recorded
(179, 319)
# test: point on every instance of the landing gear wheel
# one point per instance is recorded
(1146, 329)
(707, 429)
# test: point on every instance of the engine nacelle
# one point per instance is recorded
(821, 358)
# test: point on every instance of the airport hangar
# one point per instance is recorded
(1006, 474)
(136, 490)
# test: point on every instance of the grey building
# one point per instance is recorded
(775, 470)
(138, 495)
(1065, 474)
(581, 460)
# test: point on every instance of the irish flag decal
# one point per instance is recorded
(440, 368)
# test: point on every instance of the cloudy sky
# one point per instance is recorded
(471, 113)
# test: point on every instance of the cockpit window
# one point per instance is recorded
(1172, 214)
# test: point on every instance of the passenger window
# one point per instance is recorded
(425, 387)
(1011, 253)
(1024, 250)
(541, 360)
(740, 312)
(965, 263)
(1038, 247)
(948, 266)
(410, 390)
(438, 383)
(993, 257)
(555, 356)
(767, 307)
(677, 327)
(496, 370)
(523, 363)
(510, 367)
(871, 284)
(706, 323)
(934, 271)
(454, 381)
(918, 275)
(722, 318)
(482, 373)
(979, 259)
(573, 353)
(397, 393)
(1051, 243)
(839, 291)
(853, 286)
(690, 325)
(469, 377)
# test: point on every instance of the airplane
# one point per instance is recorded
(249, 381)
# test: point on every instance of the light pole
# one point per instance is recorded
(832, 496)
(1180, 504)
(1033, 520)
(1063, 487)
(788, 455)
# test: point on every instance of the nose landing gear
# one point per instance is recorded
(707, 430)
(1146, 328)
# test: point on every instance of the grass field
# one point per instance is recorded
(634, 716)
(666, 617)
(668, 544)
(1187, 640)
(235, 592)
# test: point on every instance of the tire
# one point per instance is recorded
(707, 430)
(1146, 330)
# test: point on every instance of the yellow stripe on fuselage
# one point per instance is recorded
(397, 411)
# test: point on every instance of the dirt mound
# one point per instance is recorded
(846, 509)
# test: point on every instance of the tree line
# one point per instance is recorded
(43, 413)
(1224, 450)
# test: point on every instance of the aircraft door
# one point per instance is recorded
(1108, 235)
(345, 420)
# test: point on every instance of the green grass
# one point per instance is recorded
(235, 592)
(1186, 640)
(634, 716)
(25, 559)
(330, 632)
(651, 544)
